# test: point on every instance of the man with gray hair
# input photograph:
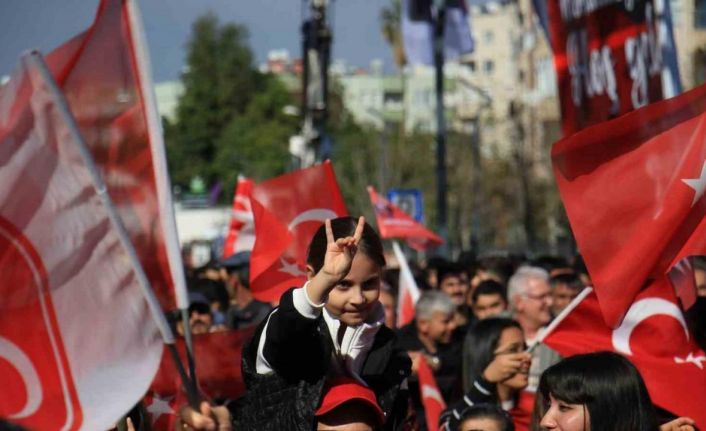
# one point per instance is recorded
(431, 335)
(531, 302)
(530, 299)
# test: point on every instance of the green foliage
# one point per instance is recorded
(229, 120)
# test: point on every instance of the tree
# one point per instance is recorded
(390, 26)
(230, 119)
(219, 83)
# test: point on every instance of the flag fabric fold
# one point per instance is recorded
(431, 396)
(408, 292)
(654, 336)
(633, 192)
(394, 223)
(78, 345)
(102, 76)
(241, 230)
(287, 211)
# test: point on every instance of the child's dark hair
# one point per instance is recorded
(487, 411)
(370, 244)
(608, 385)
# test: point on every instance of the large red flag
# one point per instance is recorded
(104, 74)
(78, 345)
(653, 335)
(288, 210)
(632, 189)
(431, 396)
(395, 223)
(241, 231)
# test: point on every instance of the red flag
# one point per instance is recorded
(77, 341)
(653, 335)
(395, 223)
(241, 231)
(103, 75)
(431, 396)
(288, 210)
(408, 292)
(217, 366)
(632, 189)
(608, 58)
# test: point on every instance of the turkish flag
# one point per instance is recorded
(163, 409)
(431, 396)
(77, 341)
(408, 291)
(241, 231)
(217, 356)
(633, 189)
(107, 84)
(653, 335)
(288, 210)
(395, 223)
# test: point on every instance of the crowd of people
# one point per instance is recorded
(473, 324)
(330, 356)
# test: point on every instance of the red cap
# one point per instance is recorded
(343, 390)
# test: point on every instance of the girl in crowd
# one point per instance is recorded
(597, 391)
(332, 327)
(495, 368)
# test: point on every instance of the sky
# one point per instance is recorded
(273, 24)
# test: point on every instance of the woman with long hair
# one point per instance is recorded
(597, 391)
(495, 368)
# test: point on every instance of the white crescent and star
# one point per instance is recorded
(18, 359)
(159, 407)
(639, 311)
(431, 392)
(315, 214)
(698, 184)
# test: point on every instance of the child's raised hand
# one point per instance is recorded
(340, 252)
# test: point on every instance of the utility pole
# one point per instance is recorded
(439, 19)
(316, 56)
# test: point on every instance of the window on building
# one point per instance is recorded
(488, 66)
(488, 36)
(471, 65)
(700, 13)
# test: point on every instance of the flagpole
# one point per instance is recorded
(439, 24)
(162, 181)
(558, 319)
(36, 61)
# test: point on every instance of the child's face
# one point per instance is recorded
(353, 299)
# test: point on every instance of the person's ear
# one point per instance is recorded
(310, 273)
(422, 325)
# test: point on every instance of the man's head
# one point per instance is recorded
(530, 297)
(565, 287)
(700, 275)
(453, 282)
(236, 272)
(200, 317)
(348, 406)
(434, 314)
(488, 299)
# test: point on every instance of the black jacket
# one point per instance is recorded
(299, 351)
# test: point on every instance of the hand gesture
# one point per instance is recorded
(679, 424)
(340, 252)
(211, 418)
(506, 365)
